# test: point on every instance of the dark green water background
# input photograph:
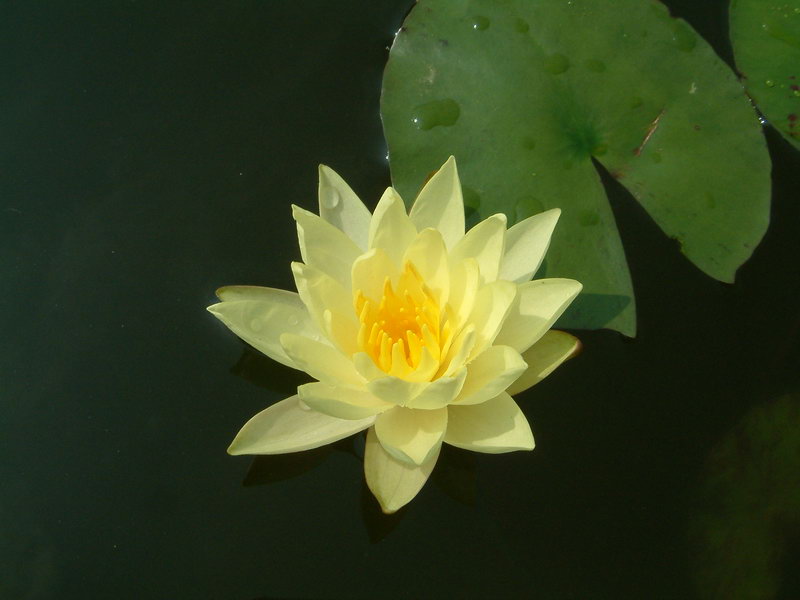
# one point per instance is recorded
(149, 153)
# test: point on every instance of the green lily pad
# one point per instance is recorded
(766, 44)
(525, 94)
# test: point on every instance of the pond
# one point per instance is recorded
(150, 154)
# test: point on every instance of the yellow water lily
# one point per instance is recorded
(413, 330)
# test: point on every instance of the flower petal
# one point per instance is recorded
(429, 256)
(526, 245)
(411, 435)
(370, 270)
(485, 243)
(325, 247)
(390, 227)
(494, 426)
(492, 304)
(539, 304)
(440, 204)
(490, 373)
(393, 482)
(395, 390)
(340, 401)
(260, 322)
(440, 392)
(287, 427)
(341, 207)
(324, 363)
(322, 294)
(543, 357)
(464, 284)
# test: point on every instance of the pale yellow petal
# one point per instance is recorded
(543, 357)
(494, 426)
(321, 293)
(526, 245)
(390, 227)
(341, 207)
(539, 304)
(429, 256)
(411, 435)
(366, 367)
(464, 285)
(343, 402)
(323, 362)
(492, 304)
(393, 482)
(485, 243)
(260, 322)
(460, 350)
(440, 204)
(287, 427)
(370, 270)
(490, 373)
(325, 247)
(440, 392)
(395, 390)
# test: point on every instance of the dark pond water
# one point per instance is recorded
(150, 153)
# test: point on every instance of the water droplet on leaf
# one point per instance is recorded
(556, 64)
(442, 113)
(527, 206)
(480, 23)
(521, 25)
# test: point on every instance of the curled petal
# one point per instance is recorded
(429, 256)
(494, 426)
(411, 435)
(340, 207)
(390, 227)
(288, 427)
(490, 373)
(393, 482)
(341, 402)
(543, 357)
(526, 245)
(261, 315)
(440, 204)
(440, 392)
(539, 304)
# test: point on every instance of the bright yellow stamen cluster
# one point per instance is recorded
(406, 328)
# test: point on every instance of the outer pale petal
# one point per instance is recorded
(411, 435)
(393, 482)
(325, 247)
(485, 243)
(440, 204)
(287, 427)
(390, 227)
(395, 390)
(490, 373)
(322, 294)
(340, 207)
(539, 304)
(428, 254)
(492, 304)
(260, 322)
(324, 363)
(494, 426)
(341, 402)
(440, 392)
(543, 357)
(526, 245)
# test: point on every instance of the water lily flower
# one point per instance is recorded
(414, 330)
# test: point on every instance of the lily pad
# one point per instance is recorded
(766, 43)
(526, 94)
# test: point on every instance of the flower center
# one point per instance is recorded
(406, 328)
